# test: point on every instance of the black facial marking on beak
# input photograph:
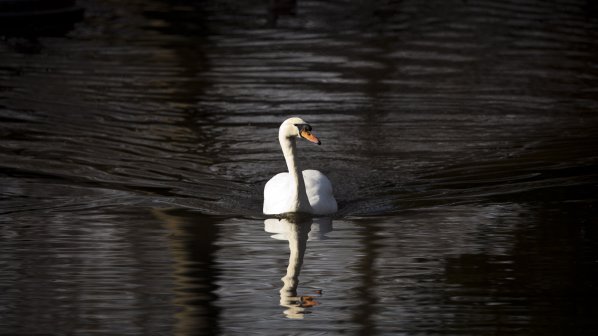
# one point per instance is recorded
(301, 127)
(305, 133)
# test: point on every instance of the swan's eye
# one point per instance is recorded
(303, 127)
(305, 133)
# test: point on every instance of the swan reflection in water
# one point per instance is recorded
(297, 229)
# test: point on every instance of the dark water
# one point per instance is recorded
(460, 137)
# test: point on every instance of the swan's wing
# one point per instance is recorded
(275, 194)
(319, 192)
(316, 182)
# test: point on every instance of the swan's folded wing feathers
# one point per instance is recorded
(277, 185)
(319, 192)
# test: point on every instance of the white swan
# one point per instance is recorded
(308, 191)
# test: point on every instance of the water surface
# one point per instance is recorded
(460, 139)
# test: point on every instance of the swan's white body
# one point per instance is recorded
(307, 191)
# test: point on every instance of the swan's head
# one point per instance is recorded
(297, 127)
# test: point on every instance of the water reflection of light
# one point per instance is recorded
(297, 230)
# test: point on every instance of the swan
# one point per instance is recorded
(307, 191)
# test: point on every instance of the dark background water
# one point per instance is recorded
(460, 137)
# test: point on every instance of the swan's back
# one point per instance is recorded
(317, 186)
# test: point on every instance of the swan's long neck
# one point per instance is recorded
(298, 197)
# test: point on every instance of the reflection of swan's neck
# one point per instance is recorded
(297, 245)
(298, 198)
(297, 235)
(296, 229)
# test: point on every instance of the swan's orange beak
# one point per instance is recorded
(307, 135)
